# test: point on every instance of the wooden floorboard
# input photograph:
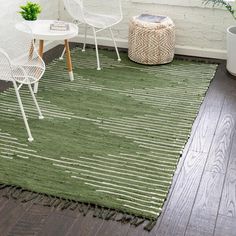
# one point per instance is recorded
(178, 210)
(228, 200)
(225, 226)
(10, 214)
(56, 224)
(31, 222)
(205, 208)
(85, 226)
(221, 148)
(114, 228)
(226, 218)
(202, 198)
(228, 203)
(3, 202)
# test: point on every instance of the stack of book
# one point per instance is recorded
(59, 26)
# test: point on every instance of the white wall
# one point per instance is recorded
(9, 15)
(201, 31)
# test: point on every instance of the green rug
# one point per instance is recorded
(111, 138)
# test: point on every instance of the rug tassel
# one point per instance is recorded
(81, 208)
(119, 216)
(134, 221)
(8, 192)
(66, 205)
(39, 200)
(125, 219)
(74, 206)
(110, 214)
(47, 199)
(2, 186)
(96, 211)
(16, 194)
(54, 200)
(57, 203)
(31, 197)
(86, 210)
(24, 196)
(150, 225)
(139, 222)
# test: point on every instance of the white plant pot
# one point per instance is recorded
(231, 50)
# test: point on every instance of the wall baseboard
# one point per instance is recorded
(180, 50)
(201, 52)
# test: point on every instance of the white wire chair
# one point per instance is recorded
(110, 15)
(21, 64)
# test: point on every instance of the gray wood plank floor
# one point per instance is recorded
(202, 198)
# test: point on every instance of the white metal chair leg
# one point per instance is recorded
(96, 46)
(85, 37)
(36, 86)
(63, 53)
(117, 52)
(30, 138)
(35, 102)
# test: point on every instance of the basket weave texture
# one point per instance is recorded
(151, 43)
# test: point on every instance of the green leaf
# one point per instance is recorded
(222, 3)
(30, 11)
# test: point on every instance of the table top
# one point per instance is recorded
(41, 30)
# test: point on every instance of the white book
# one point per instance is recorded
(60, 26)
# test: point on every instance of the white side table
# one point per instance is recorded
(41, 31)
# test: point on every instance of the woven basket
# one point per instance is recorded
(151, 43)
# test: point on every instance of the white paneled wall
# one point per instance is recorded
(201, 31)
(9, 15)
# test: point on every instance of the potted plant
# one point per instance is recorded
(30, 11)
(231, 33)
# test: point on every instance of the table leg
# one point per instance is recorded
(31, 51)
(41, 44)
(68, 60)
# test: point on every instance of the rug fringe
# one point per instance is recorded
(24, 196)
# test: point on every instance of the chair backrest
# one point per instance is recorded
(78, 9)
(5, 66)
(18, 43)
(104, 7)
(75, 9)
(19, 47)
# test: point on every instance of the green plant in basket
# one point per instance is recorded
(30, 11)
